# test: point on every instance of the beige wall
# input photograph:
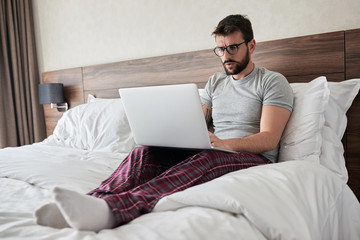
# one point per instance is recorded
(73, 33)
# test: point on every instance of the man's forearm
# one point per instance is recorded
(257, 143)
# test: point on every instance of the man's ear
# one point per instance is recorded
(252, 46)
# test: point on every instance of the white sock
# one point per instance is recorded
(50, 215)
(83, 212)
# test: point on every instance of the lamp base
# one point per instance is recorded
(61, 107)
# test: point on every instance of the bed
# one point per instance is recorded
(312, 193)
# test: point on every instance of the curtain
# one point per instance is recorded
(21, 116)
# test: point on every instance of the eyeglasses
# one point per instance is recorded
(231, 49)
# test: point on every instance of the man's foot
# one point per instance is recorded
(50, 215)
(76, 210)
(83, 212)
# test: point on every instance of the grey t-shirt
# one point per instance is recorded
(237, 104)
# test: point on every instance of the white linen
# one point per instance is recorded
(291, 200)
(100, 125)
(301, 139)
(188, 223)
(342, 95)
(318, 122)
(49, 166)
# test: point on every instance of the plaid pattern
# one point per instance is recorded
(149, 174)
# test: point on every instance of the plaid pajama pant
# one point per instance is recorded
(148, 174)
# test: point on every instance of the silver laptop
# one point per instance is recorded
(167, 116)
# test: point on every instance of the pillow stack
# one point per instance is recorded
(318, 123)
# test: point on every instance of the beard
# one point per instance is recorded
(239, 67)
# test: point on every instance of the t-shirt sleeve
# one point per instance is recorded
(278, 92)
(206, 94)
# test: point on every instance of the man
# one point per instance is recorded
(248, 106)
(256, 91)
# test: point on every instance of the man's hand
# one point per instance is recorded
(217, 142)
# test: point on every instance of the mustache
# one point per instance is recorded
(229, 61)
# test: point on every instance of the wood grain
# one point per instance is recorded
(352, 49)
(319, 54)
(192, 67)
(332, 77)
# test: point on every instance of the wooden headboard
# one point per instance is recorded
(335, 55)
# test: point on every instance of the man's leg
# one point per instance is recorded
(195, 170)
(140, 166)
(78, 210)
(126, 206)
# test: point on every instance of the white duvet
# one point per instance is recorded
(290, 200)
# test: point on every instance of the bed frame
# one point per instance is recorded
(335, 55)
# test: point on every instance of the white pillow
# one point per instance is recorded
(342, 95)
(201, 91)
(91, 98)
(100, 125)
(302, 136)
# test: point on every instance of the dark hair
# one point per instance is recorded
(234, 23)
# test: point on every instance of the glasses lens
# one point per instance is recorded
(219, 51)
(232, 49)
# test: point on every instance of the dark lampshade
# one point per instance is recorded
(51, 93)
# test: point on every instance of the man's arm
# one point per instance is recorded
(272, 124)
(207, 114)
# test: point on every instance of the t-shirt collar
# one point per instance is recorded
(245, 79)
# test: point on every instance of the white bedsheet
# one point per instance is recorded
(290, 200)
(49, 166)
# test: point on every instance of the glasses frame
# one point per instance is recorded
(227, 49)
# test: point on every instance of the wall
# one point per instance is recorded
(73, 33)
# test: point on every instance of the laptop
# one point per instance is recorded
(167, 116)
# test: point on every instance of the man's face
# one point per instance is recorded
(236, 63)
